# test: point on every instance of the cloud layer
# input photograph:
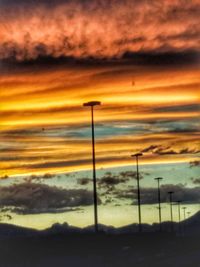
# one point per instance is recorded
(98, 29)
(149, 195)
(35, 198)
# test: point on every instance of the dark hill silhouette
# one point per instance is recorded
(194, 220)
(64, 228)
(191, 225)
(64, 245)
(10, 230)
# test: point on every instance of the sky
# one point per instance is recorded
(141, 59)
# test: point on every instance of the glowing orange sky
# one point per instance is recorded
(36, 103)
(139, 58)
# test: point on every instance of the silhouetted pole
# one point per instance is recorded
(179, 214)
(138, 190)
(184, 216)
(159, 202)
(188, 214)
(92, 104)
(171, 210)
(184, 212)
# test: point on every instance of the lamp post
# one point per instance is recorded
(171, 210)
(138, 190)
(91, 105)
(184, 212)
(159, 204)
(179, 214)
(184, 216)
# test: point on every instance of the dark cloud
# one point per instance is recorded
(179, 108)
(149, 195)
(149, 148)
(181, 192)
(21, 132)
(185, 130)
(177, 126)
(32, 3)
(38, 178)
(53, 164)
(110, 180)
(195, 163)
(65, 163)
(7, 217)
(33, 198)
(84, 181)
(38, 131)
(189, 151)
(127, 175)
(196, 180)
(130, 193)
(160, 150)
(163, 59)
(4, 177)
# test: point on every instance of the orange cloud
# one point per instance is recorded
(98, 29)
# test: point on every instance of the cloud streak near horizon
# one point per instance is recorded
(35, 198)
(69, 28)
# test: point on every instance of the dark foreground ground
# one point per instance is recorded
(101, 250)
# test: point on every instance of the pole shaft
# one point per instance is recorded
(179, 212)
(184, 225)
(184, 214)
(179, 216)
(94, 173)
(159, 204)
(171, 211)
(138, 191)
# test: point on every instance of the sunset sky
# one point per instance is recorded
(141, 59)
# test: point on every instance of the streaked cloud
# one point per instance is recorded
(69, 29)
(169, 151)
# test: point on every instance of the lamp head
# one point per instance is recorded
(137, 155)
(92, 104)
(158, 178)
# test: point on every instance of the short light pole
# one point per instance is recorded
(91, 105)
(159, 201)
(138, 190)
(184, 212)
(179, 214)
(184, 216)
(171, 209)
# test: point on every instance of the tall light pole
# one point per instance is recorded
(171, 210)
(179, 214)
(138, 190)
(184, 212)
(159, 204)
(91, 105)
